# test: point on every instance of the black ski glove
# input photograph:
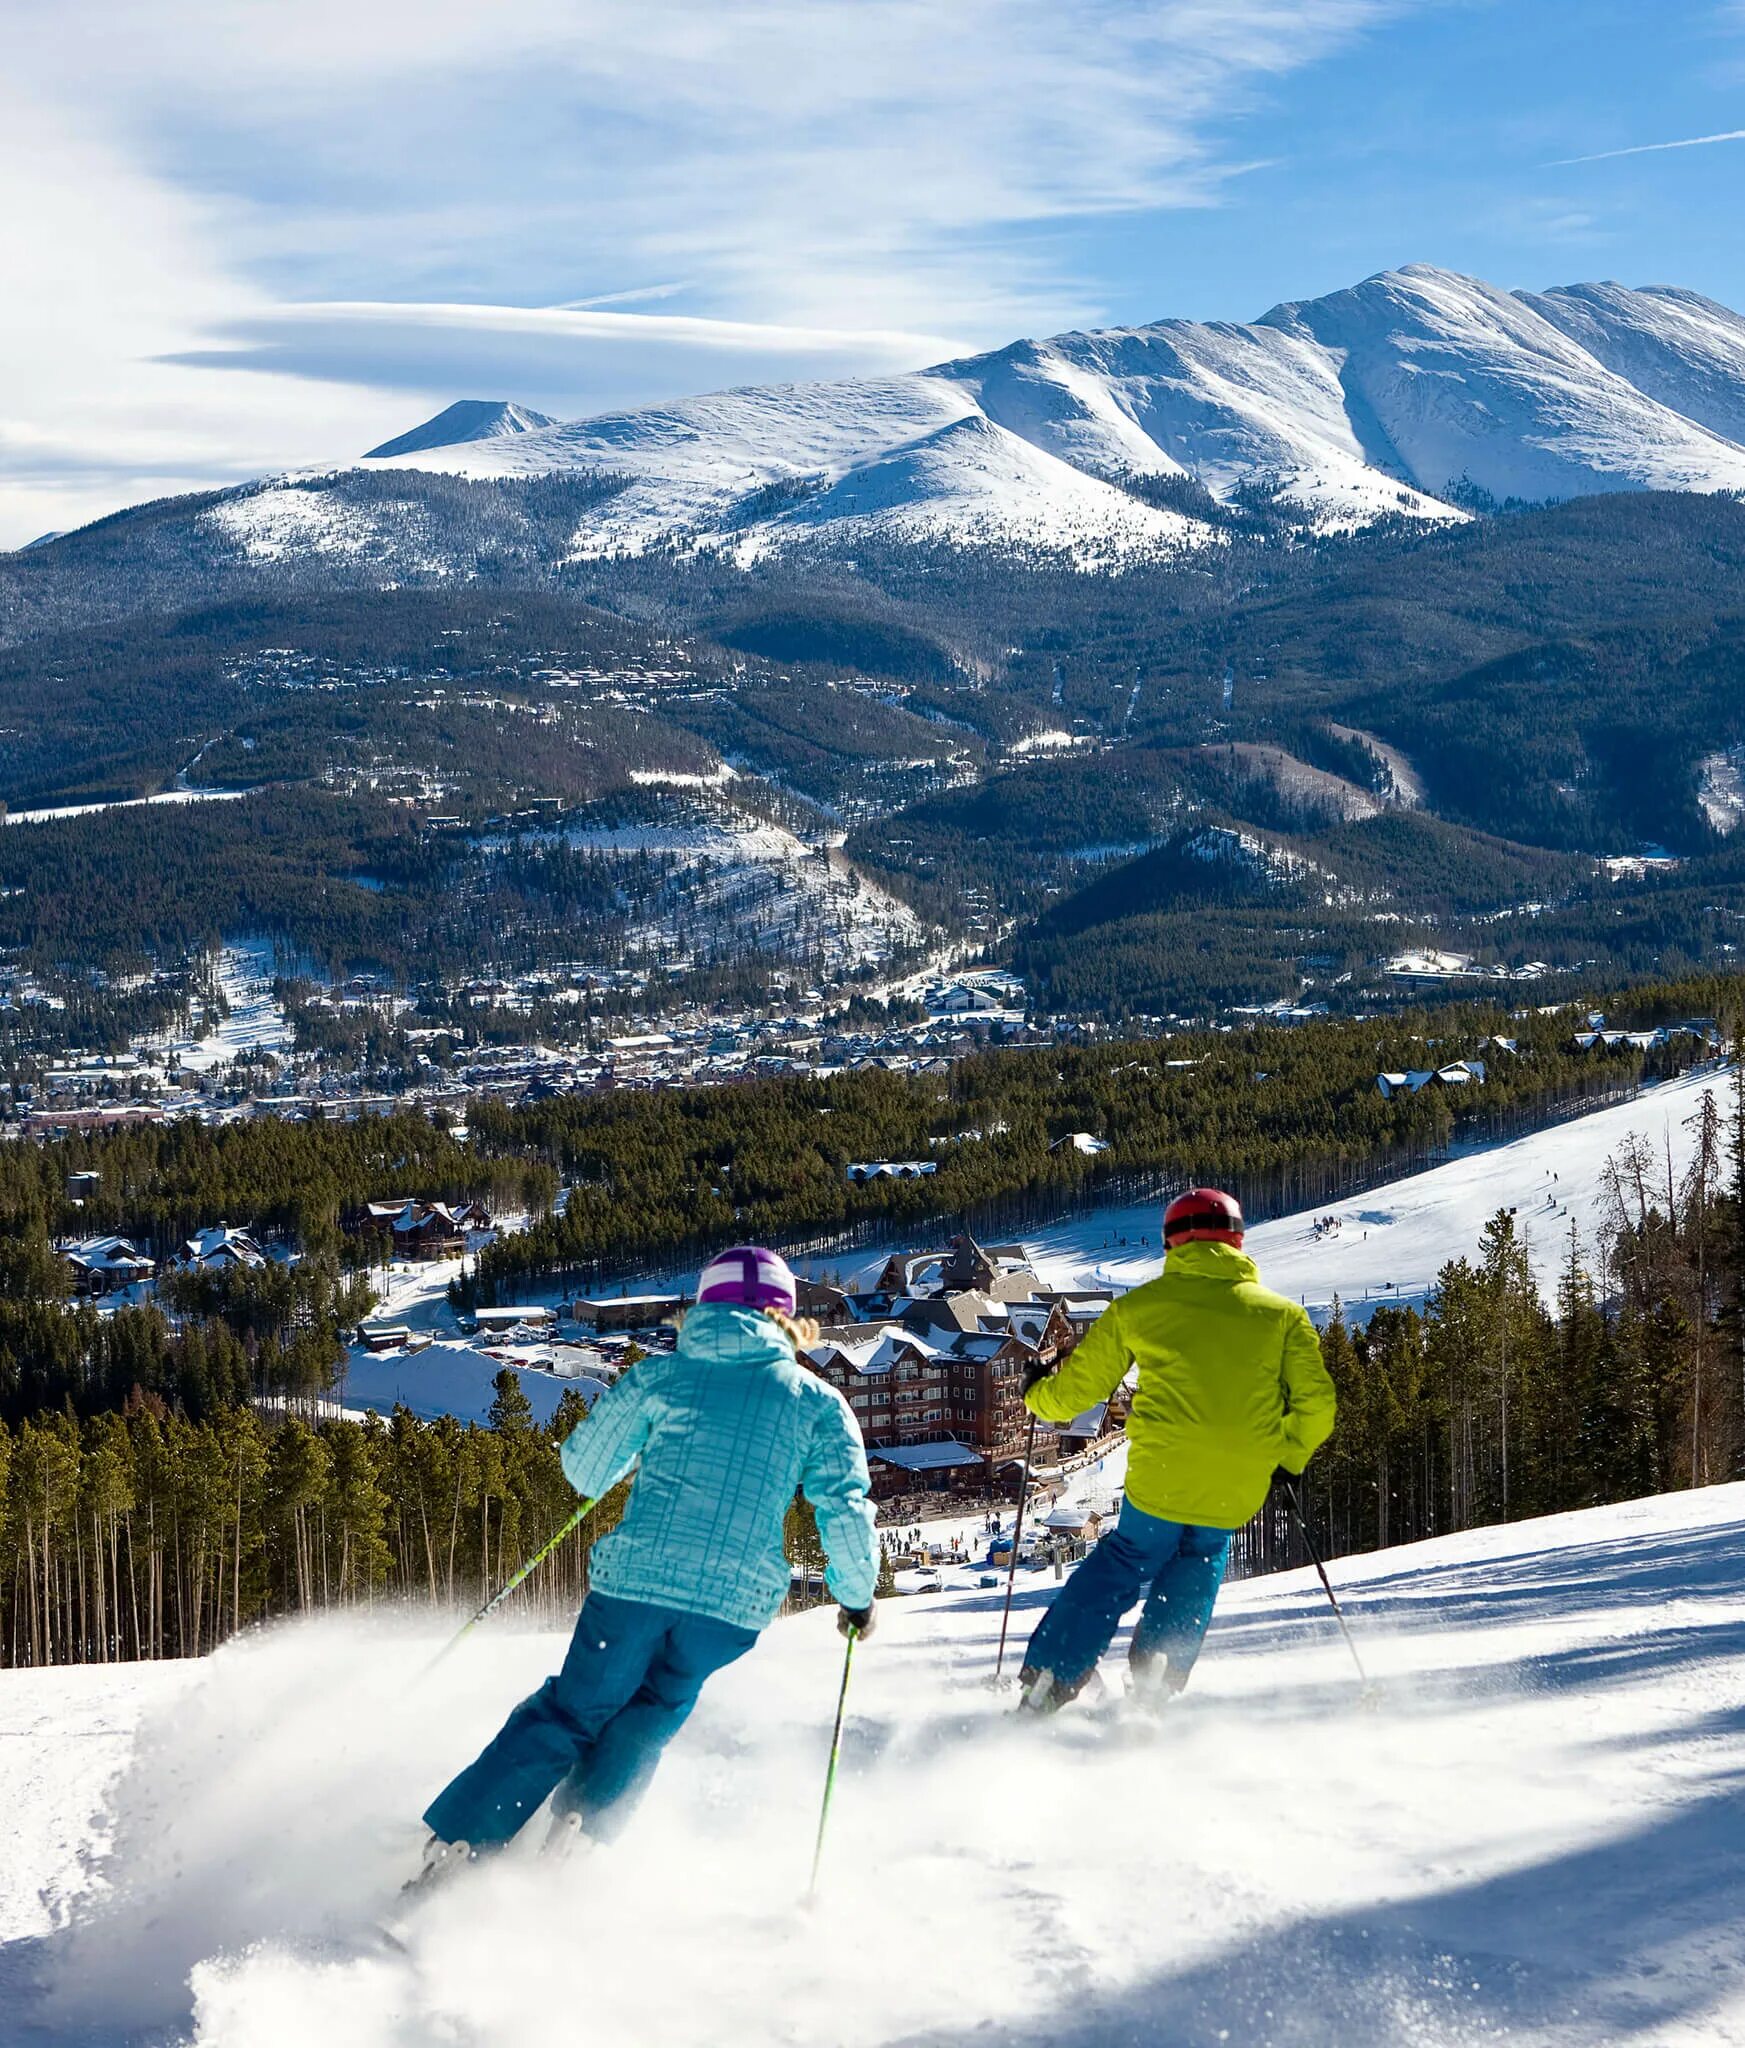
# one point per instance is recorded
(863, 1620)
(1035, 1374)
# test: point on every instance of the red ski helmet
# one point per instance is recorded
(1203, 1216)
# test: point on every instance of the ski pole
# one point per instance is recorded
(1017, 1531)
(526, 1572)
(830, 1771)
(1296, 1507)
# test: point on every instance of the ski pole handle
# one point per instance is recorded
(526, 1572)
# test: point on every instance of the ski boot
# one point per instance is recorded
(1041, 1693)
(443, 1863)
(1035, 1692)
(1152, 1684)
(566, 1840)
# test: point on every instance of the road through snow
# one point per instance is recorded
(1535, 1838)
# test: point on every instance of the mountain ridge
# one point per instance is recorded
(1412, 394)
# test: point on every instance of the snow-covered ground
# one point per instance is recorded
(130, 803)
(1532, 1837)
(256, 1021)
(1390, 1244)
(764, 885)
(455, 1378)
(1721, 790)
(290, 518)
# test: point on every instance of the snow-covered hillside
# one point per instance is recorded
(1381, 400)
(1389, 1245)
(468, 419)
(741, 874)
(1532, 1837)
(1450, 381)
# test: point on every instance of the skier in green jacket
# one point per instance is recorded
(1231, 1389)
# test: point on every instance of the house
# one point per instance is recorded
(960, 998)
(424, 1230)
(861, 1171)
(384, 1336)
(627, 1311)
(822, 1302)
(1633, 1041)
(105, 1265)
(1082, 1142)
(963, 1266)
(1407, 1083)
(1084, 1430)
(222, 1249)
(496, 1322)
(81, 1187)
(1457, 1074)
(925, 1468)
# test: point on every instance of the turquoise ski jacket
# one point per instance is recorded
(720, 1434)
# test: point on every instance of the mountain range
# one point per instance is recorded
(1427, 634)
(1417, 394)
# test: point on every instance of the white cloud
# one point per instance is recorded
(561, 352)
(107, 270)
(1606, 156)
(836, 180)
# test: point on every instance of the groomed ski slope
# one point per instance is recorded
(1533, 1838)
(1391, 1243)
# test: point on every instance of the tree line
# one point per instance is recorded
(1489, 1405)
(141, 1533)
(1284, 1114)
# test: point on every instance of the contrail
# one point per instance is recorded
(1648, 149)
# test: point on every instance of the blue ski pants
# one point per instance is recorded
(591, 1737)
(1177, 1567)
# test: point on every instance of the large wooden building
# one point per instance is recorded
(932, 1361)
(423, 1230)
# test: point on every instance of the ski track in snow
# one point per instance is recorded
(1533, 1838)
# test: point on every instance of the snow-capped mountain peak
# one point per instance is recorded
(1410, 395)
(468, 419)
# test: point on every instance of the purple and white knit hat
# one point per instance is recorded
(750, 1275)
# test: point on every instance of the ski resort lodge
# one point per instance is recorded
(932, 1359)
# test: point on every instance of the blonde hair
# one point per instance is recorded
(800, 1331)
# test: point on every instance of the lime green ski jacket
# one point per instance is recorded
(1231, 1385)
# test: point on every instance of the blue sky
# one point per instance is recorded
(264, 236)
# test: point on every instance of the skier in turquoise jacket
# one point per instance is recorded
(719, 1436)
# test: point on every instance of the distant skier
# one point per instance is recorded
(1231, 1388)
(720, 1433)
